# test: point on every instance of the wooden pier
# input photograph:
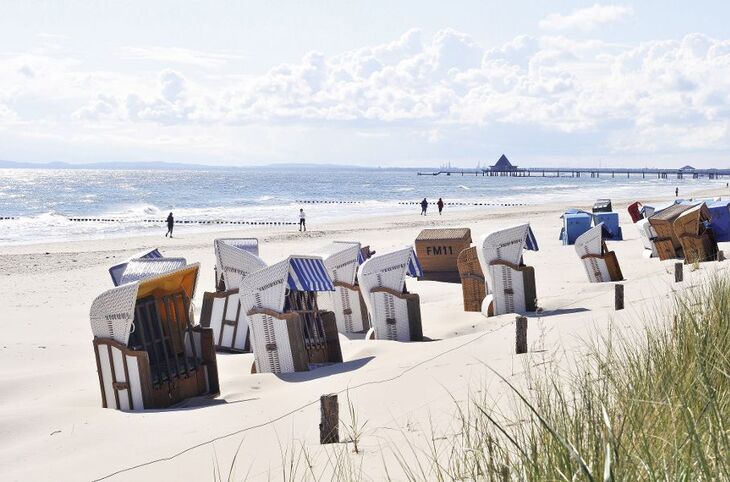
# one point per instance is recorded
(593, 172)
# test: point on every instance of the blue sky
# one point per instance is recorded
(372, 83)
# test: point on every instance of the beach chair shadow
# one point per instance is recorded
(325, 371)
(559, 311)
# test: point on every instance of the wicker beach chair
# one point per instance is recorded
(117, 270)
(647, 235)
(341, 258)
(227, 258)
(395, 314)
(289, 333)
(510, 284)
(148, 353)
(720, 222)
(601, 265)
(575, 223)
(438, 251)
(221, 310)
(666, 241)
(473, 284)
(692, 228)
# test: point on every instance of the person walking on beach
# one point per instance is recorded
(440, 205)
(424, 206)
(676, 192)
(170, 224)
(302, 220)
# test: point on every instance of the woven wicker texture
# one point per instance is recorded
(233, 263)
(591, 242)
(341, 260)
(473, 284)
(250, 245)
(117, 270)
(112, 313)
(506, 285)
(388, 314)
(143, 268)
(444, 234)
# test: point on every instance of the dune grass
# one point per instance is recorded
(651, 406)
(656, 408)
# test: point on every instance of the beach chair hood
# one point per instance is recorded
(234, 262)
(590, 242)
(384, 271)
(117, 270)
(142, 268)
(341, 259)
(112, 312)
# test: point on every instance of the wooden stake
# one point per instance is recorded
(678, 272)
(521, 335)
(721, 255)
(619, 297)
(329, 424)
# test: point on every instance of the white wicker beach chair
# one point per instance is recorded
(288, 331)
(226, 258)
(141, 268)
(221, 310)
(600, 264)
(510, 284)
(647, 235)
(148, 353)
(117, 270)
(341, 260)
(394, 314)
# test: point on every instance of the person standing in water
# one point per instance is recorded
(302, 220)
(440, 205)
(170, 224)
(424, 206)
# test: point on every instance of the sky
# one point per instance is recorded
(377, 83)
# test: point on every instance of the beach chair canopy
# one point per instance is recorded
(142, 268)
(341, 258)
(234, 262)
(117, 270)
(591, 242)
(720, 223)
(635, 211)
(415, 270)
(507, 244)
(112, 312)
(385, 271)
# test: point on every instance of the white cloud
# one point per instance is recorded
(586, 19)
(176, 55)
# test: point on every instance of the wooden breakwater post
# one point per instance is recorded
(618, 301)
(521, 335)
(678, 272)
(721, 255)
(329, 425)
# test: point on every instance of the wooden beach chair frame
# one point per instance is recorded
(696, 238)
(666, 241)
(289, 333)
(601, 265)
(394, 313)
(510, 283)
(148, 353)
(473, 283)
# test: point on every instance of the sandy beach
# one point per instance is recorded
(53, 426)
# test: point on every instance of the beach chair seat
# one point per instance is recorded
(117, 270)
(601, 265)
(148, 352)
(394, 313)
(473, 284)
(666, 242)
(692, 227)
(342, 259)
(510, 283)
(289, 333)
(221, 310)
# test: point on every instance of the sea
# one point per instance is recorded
(43, 202)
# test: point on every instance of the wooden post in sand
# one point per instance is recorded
(678, 272)
(619, 297)
(521, 334)
(329, 424)
(721, 255)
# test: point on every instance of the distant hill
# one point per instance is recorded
(181, 166)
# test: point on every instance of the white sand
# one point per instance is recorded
(52, 426)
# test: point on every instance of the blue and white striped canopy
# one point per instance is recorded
(531, 241)
(308, 274)
(414, 266)
(360, 257)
